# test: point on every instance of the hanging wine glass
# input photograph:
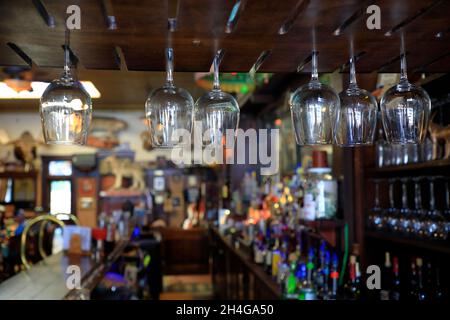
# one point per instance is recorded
(392, 213)
(313, 108)
(356, 118)
(65, 108)
(446, 212)
(405, 109)
(169, 111)
(405, 213)
(418, 213)
(217, 112)
(375, 217)
(434, 228)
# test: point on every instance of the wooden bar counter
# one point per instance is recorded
(236, 276)
(46, 280)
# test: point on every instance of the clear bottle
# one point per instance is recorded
(323, 188)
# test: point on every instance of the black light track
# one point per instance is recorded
(355, 16)
(305, 61)
(119, 57)
(299, 8)
(422, 67)
(20, 53)
(393, 60)
(409, 20)
(48, 19)
(347, 64)
(110, 18)
(172, 20)
(441, 34)
(258, 63)
(235, 14)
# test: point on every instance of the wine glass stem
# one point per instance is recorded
(432, 200)
(216, 85)
(314, 73)
(404, 195)
(391, 194)
(403, 73)
(352, 73)
(169, 66)
(66, 52)
(418, 196)
(377, 192)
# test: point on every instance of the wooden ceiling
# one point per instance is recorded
(142, 33)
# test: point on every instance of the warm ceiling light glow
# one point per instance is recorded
(38, 89)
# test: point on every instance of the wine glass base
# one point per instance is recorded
(66, 143)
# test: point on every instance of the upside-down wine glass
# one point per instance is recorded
(374, 218)
(169, 111)
(217, 112)
(418, 213)
(434, 227)
(65, 108)
(405, 109)
(313, 107)
(405, 212)
(392, 211)
(446, 212)
(356, 118)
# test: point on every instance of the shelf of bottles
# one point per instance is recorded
(409, 277)
(305, 267)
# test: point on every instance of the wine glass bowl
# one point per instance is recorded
(66, 112)
(405, 109)
(169, 109)
(65, 108)
(313, 107)
(356, 118)
(217, 112)
(169, 112)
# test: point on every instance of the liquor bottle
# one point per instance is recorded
(352, 288)
(318, 276)
(268, 256)
(276, 258)
(110, 236)
(334, 275)
(429, 281)
(292, 283)
(395, 289)
(358, 278)
(386, 278)
(438, 291)
(323, 292)
(421, 294)
(413, 286)
(283, 269)
(307, 291)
